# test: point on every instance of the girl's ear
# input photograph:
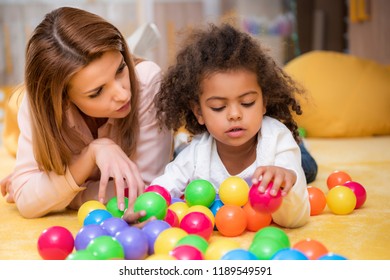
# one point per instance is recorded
(198, 113)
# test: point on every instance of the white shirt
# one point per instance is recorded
(275, 146)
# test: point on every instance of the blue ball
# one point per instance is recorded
(289, 254)
(215, 206)
(96, 217)
(239, 254)
(332, 256)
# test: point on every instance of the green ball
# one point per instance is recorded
(302, 132)
(275, 233)
(81, 255)
(112, 207)
(106, 247)
(153, 204)
(264, 248)
(194, 240)
(199, 192)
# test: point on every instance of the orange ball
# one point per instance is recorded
(256, 220)
(317, 200)
(231, 220)
(337, 178)
(312, 249)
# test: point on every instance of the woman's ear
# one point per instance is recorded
(198, 113)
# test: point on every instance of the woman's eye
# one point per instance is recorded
(121, 68)
(97, 93)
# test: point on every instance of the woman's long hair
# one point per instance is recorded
(67, 40)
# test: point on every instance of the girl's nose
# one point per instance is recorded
(234, 113)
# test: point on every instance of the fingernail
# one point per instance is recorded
(122, 206)
(101, 200)
(261, 189)
(273, 192)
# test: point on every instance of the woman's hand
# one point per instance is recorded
(132, 217)
(5, 184)
(281, 177)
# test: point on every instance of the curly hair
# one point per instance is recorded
(220, 49)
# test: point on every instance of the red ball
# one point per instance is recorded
(197, 223)
(264, 202)
(231, 220)
(337, 178)
(160, 190)
(172, 218)
(359, 191)
(186, 252)
(317, 200)
(55, 243)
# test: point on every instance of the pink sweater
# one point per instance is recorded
(37, 193)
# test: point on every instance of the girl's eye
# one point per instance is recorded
(249, 104)
(96, 94)
(217, 109)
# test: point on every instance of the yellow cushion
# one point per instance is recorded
(347, 96)
(10, 126)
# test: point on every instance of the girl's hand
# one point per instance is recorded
(5, 184)
(114, 163)
(132, 218)
(281, 177)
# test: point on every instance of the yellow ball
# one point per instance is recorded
(234, 191)
(87, 207)
(180, 208)
(220, 247)
(341, 200)
(160, 257)
(167, 240)
(203, 209)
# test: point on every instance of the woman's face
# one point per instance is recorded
(231, 107)
(102, 88)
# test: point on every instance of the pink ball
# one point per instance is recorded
(359, 191)
(197, 223)
(162, 191)
(186, 252)
(55, 243)
(264, 202)
(172, 218)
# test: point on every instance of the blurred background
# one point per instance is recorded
(288, 27)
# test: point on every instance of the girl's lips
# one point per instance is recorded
(235, 132)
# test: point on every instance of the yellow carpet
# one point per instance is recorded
(362, 235)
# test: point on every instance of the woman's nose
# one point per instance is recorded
(119, 93)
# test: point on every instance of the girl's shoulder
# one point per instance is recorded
(272, 126)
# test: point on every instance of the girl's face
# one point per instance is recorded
(231, 107)
(102, 88)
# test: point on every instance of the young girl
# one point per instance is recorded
(238, 105)
(87, 121)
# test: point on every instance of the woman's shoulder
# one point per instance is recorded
(147, 71)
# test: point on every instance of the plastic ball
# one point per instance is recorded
(180, 208)
(113, 225)
(167, 240)
(234, 191)
(337, 178)
(317, 200)
(264, 248)
(239, 254)
(312, 249)
(106, 248)
(199, 192)
(332, 257)
(176, 199)
(55, 243)
(341, 200)
(214, 207)
(231, 220)
(186, 252)
(275, 233)
(172, 218)
(134, 243)
(220, 247)
(197, 223)
(81, 255)
(289, 254)
(264, 202)
(112, 207)
(256, 220)
(155, 257)
(152, 230)
(87, 207)
(96, 217)
(359, 191)
(194, 240)
(153, 204)
(160, 190)
(204, 210)
(86, 234)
